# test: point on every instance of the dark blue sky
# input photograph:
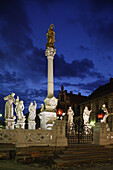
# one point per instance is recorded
(84, 46)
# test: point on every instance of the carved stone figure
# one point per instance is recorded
(70, 116)
(32, 111)
(9, 106)
(50, 37)
(19, 109)
(86, 115)
(106, 113)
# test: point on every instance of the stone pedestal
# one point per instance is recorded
(59, 129)
(47, 119)
(31, 124)
(87, 128)
(50, 104)
(100, 134)
(10, 123)
(21, 124)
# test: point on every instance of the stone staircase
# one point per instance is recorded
(84, 154)
(7, 151)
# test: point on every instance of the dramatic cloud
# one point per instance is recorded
(77, 68)
(88, 86)
(96, 19)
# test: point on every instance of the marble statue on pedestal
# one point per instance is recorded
(19, 113)
(32, 115)
(9, 112)
(32, 111)
(86, 115)
(70, 114)
(106, 113)
(19, 109)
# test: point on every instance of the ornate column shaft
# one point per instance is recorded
(50, 52)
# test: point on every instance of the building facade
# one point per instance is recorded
(67, 100)
(102, 95)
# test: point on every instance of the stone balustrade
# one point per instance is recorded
(39, 137)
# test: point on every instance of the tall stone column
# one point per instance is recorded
(50, 101)
(50, 52)
(48, 113)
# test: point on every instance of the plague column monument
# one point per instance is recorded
(48, 114)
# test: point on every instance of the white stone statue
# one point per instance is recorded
(32, 111)
(86, 115)
(19, 109)
(9, 106)
(70, 116)
(106, 113)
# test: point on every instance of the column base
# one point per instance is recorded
(47, 119)
(50, 104)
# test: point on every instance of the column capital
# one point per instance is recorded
(50, 52)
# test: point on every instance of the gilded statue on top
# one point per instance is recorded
(50, 37)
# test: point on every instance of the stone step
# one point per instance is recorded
(6, 149)
(84, 153)
(86, 160)
(84, 146)
(71, 157)
(87, 151)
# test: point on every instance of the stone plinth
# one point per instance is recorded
(47, 119)
(50, 104)
(21, 124)
(9, 123)
(31, 124)
(87, 128)
(59, 129)
(100, 134)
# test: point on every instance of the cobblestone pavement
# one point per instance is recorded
(13, 165)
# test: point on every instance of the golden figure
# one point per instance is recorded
(50, 37)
